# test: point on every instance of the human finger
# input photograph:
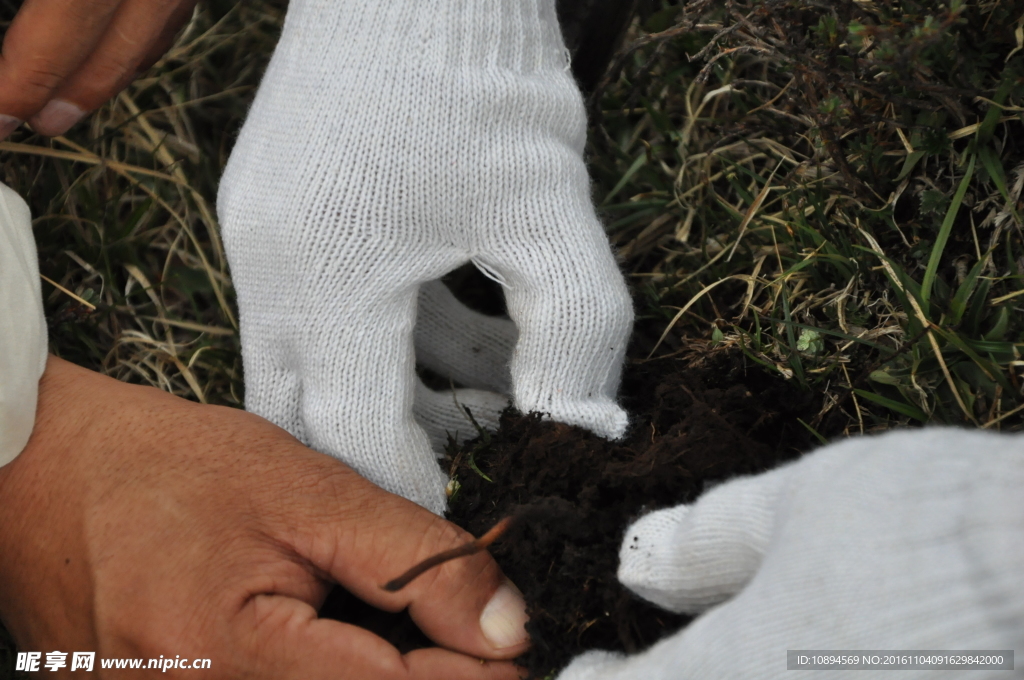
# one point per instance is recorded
(46, 43)
(165, 40)
(135, 28)
(363, 537)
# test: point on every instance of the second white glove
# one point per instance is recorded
(912, 540)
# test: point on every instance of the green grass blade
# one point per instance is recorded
(794, 355)
(988, 124)
(958, 305)
(990, 369)
(977, 308)
(761, 362)
(904, 288)
(1004, 348)
(826, 331)
(908, 165)
(990, 161)
(640, 161)
(893, 405)
(998, 331)
(944, 230)
(817, 435)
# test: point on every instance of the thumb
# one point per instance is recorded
(458, 413)
(362, 537)
(691, 557)
(458, 343)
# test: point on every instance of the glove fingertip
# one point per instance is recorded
(692, 557)
(647, 558)
(616, 424)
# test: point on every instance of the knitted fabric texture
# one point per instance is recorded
(22, 326)
(910, 540)
(390, 143)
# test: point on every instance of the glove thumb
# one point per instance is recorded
(692, 557)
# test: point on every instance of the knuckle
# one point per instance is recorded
(108, 72)
(440, 534)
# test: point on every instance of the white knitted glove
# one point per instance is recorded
(908, 541)
(471, 349)
(22, 326)
(389, 143)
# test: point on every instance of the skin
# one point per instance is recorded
(136, 524)
(82, 52)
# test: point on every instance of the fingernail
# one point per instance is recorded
(8, 124)
(504, 617)
(56, 117)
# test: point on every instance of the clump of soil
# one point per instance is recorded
(692, 424)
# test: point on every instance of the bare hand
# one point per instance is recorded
(137, 524)
(64, 58)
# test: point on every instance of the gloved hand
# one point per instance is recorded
(909, 540)
(390, 143)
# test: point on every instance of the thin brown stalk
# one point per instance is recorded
(464, 550)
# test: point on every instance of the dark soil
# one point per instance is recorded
(692, 424)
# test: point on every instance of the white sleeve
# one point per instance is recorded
(22, 326)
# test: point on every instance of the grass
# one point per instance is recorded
(834, 191)
(136, 284)
(831, 188)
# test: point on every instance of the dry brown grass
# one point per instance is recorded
(136, 284)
